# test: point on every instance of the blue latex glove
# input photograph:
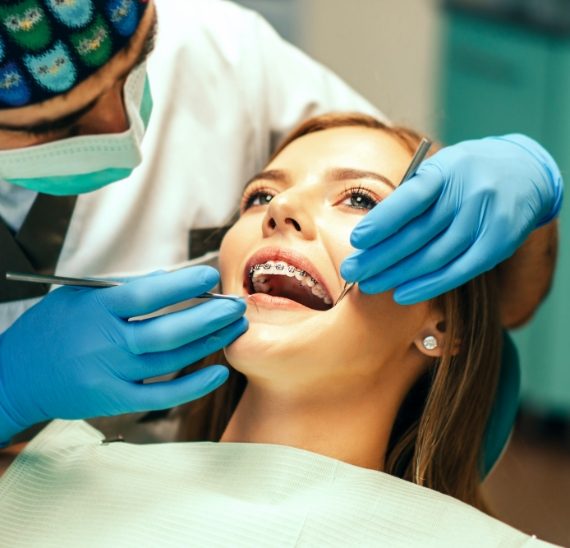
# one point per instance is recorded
(469, 207)
(76, 355)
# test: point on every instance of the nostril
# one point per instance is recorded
(294, 223)
(272, 223)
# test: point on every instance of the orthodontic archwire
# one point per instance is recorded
(419, 155)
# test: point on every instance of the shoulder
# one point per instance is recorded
(421, 513)
(224, 25)
(207, 43)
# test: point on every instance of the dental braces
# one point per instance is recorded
(281, 268)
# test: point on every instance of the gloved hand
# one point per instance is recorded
(469, 207)
(76, 355)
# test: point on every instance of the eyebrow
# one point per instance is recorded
(344, 174)
(277, 175)
(69, 120)
(336, 174)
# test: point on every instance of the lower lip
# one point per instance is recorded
(268, 301)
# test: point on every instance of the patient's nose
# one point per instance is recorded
(286, 214)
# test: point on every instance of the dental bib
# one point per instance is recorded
(68, 488)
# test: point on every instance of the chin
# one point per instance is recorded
(279, 338)
(289, 308)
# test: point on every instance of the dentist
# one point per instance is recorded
(82, 193)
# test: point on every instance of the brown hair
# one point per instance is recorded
(437, 438)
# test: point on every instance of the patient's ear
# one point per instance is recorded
(433, 339)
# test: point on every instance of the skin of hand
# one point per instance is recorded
(525, 279)
(320, 371)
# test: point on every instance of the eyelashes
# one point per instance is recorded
(354, 197)
(360, 198)
(255, 196)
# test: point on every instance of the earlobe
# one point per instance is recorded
(433, 339)
(429, 343)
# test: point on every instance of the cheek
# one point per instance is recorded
(390, 318)
(335, 230)
(374, 322)
(376, 329)
(236, 247)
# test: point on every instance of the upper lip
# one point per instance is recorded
(293, 258)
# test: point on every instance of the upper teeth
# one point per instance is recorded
(260, 272)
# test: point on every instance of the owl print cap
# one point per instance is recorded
(49, 46)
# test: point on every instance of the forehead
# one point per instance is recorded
(347, 147)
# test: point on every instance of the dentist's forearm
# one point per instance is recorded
(525, 278)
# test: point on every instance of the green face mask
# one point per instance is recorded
(83, 164)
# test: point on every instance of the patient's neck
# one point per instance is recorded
(351, 427)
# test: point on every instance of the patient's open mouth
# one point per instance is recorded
(287, 275)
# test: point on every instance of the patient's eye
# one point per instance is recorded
(256, 197)
(359, 198)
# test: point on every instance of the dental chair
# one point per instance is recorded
(504, 412)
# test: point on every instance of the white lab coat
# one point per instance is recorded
(225, 87)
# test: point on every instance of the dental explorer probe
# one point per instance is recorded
(93, 282)
(417, 159)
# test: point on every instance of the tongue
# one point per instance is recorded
(290, 288)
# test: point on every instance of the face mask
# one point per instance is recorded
(86, 163)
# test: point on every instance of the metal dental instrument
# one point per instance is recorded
(417, 159)
(93, 282)
(60, 280)
(419, 155)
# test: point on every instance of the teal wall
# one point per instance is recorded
(499, 78)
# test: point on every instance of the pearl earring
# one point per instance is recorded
(430, 343)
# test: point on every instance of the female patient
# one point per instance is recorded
(325, 404)
(403, 389)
